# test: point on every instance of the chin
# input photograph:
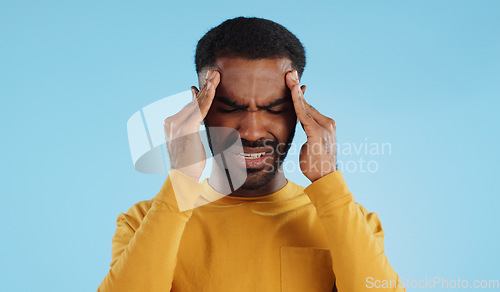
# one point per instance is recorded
(257, 179)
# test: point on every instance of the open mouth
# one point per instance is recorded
(253, 158)
(252, 155)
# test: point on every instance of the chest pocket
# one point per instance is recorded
(306, 269)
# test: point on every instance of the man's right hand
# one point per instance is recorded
(184, 145)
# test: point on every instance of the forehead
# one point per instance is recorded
(252, 79)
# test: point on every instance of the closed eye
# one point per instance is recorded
(228, 110)
(232, 110)
(274, 112)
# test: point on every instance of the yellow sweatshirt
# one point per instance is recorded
(296, 239)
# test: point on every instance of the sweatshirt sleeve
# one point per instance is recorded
(145, 246)
(355, 237)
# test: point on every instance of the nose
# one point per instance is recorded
(252, 126)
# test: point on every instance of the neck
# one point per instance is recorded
(218, 180)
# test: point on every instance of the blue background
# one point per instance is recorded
(420, 75)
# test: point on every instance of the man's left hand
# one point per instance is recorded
(318, 156)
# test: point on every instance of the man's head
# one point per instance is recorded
(252, 56)
(249, 38)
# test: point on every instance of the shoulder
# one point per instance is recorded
(134, 216)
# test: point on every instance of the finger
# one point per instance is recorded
(191, 107)
(316, 115)
(204, 98)
(194, 107)
(300, 108)
(202, 94)
(209, 95)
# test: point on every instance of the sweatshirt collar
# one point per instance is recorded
(216, 198)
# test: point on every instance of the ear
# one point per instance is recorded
(194, 91)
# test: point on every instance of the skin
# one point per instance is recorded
(246, 87)
(252, 85)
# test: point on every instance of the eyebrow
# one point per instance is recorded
(236, 105)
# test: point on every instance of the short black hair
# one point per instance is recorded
(251, 38)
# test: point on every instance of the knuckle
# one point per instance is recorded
(169, 122)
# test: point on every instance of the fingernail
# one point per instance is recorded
(208, 74)
(295, 75)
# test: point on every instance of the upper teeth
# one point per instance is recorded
(252, 155)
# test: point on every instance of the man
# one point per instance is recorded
(267, 233)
